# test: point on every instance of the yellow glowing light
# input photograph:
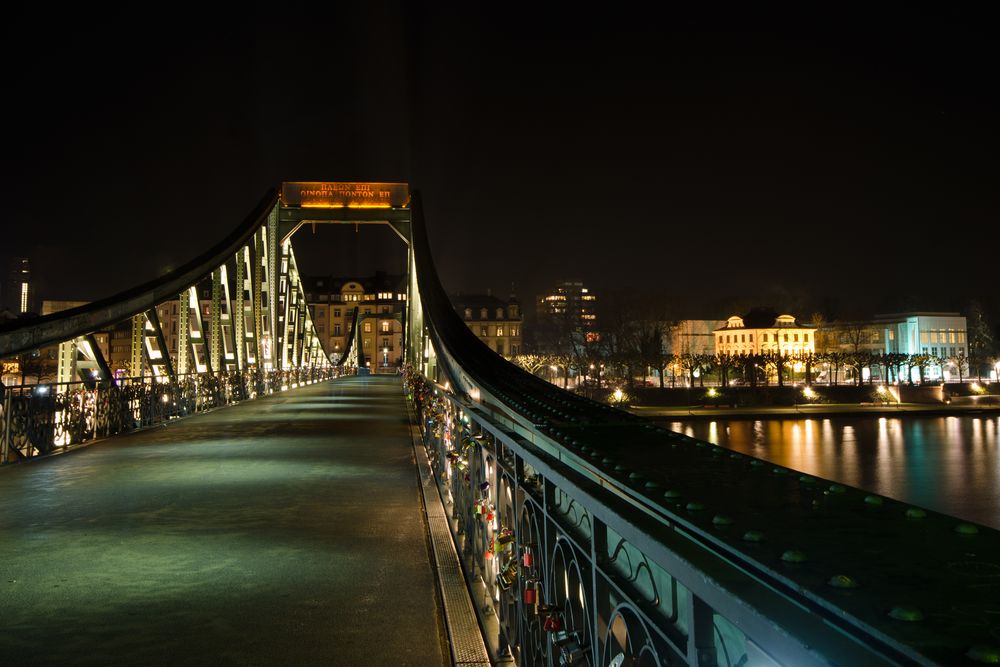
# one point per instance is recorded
(712, 393)
(618, 394)
(809, 393)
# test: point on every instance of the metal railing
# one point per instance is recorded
(41, 419)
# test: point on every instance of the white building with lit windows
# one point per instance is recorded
(764, 331)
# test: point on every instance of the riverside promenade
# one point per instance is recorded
(286, 530)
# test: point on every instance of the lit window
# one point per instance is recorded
(499, 331)
(805, 338)
(482, 331)
(385, 326)
(368, 327)
(513, 332)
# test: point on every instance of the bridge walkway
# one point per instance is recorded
(284, 530)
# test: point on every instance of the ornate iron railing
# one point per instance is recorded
(41, 419)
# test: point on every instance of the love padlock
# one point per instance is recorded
(552, 623)
(527, 559)
(530, 593)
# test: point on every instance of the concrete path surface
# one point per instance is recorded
(284, 530)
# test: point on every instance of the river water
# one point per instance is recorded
(949, 464)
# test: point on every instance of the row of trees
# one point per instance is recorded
(631, 344)
(752, 370)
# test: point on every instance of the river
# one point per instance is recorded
(949, 464)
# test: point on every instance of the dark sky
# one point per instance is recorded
(798, 160)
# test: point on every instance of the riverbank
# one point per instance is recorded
(808, 410)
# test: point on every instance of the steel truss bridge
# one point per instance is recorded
(600, 538)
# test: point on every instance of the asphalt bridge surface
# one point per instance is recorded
(284, 530)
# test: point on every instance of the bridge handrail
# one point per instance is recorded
(552, 420)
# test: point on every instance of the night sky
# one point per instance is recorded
(845, 162)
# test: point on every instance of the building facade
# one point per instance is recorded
(496, 322)
(571, 301)
(692, 337)
(18, 288)
(764, 331)
(381, 303)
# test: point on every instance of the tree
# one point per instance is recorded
(922, 362)
(981, 342)
(961, 361)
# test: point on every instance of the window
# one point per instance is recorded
(468, 313)
(923, 336)
(336, 312)
(385, 326)
(805, 338)
(336, 329)
(513, 331)
(795, 338)
(952, 352)
(764, 337)
(499, 331)
(934, 351)
(366, 311)
(743, 338)
(934, 336)
(482, 314)
(961, 337)
(951, 335)
(786, 338)
(515, 350)
(751, 338)
(500, 347)
(499, 313)
(368, 327)
(482, 331)
(385, 343)
(727, 338)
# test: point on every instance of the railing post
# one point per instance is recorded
(701, 638)
(6, 425)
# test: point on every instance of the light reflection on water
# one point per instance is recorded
(949, 464)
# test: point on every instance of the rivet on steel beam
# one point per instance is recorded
(671, 494)
(807, 480)
(793, 556)
(838, 489)
(756, 463)
(874, 501)
(695, 506)
(652, 485)
(966, 529)
(906, 613)
(989, 655)
(780, 471)
(842, 581)
(753, 536)
(915, 513)
(722, 520)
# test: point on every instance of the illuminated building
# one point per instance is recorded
(762, 331)
(568, 302)
(381, 303)
(19, 292)
(494, 321)
(692, 337)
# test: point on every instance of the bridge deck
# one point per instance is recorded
(287, 529)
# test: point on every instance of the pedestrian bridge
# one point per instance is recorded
(586, 536)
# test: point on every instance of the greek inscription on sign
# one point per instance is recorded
(313, 194)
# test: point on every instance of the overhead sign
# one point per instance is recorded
(317, 194)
